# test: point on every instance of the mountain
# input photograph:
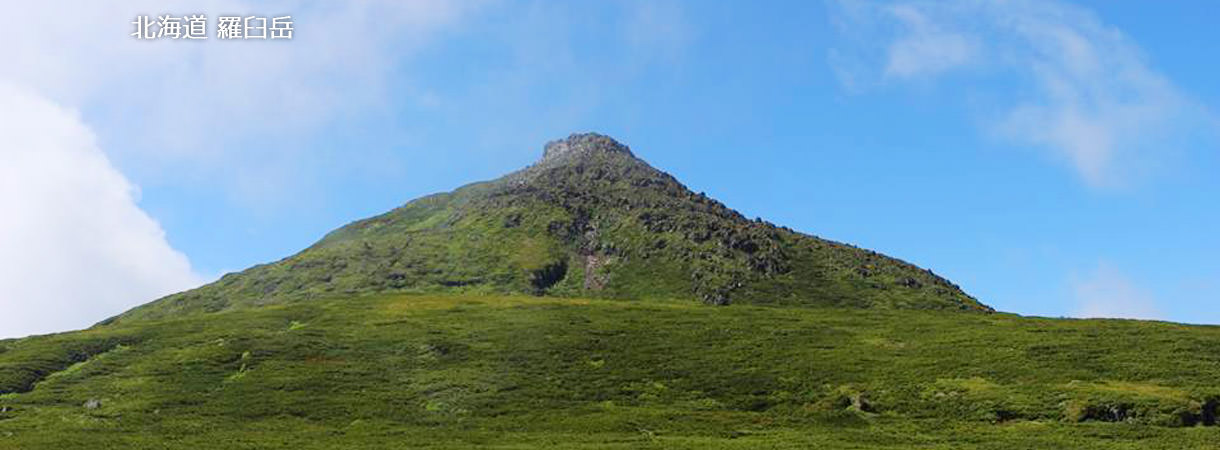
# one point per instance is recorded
(587, 220)
(590, 301)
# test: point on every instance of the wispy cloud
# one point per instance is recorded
(926, 49)
(657, 28)
(170, 104)
(1071, 83)
(1108, 293)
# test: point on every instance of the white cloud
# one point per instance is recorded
(75, 246)
(211, 104)
(1106, 292)
(1082, 89)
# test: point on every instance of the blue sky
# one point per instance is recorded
(1052, 158)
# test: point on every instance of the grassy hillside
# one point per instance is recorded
(566, 306)
(444, 371)
(588, 220)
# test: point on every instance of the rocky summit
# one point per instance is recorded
(589, 219)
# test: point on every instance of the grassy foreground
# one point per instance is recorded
(395, 371)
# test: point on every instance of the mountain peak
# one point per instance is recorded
(582, 145)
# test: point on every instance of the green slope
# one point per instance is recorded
(566, 306)
(588, 220)
(445, 371)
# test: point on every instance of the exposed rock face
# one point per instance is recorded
(588, 219)
(595, 279)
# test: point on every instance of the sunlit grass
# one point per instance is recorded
(446, 371)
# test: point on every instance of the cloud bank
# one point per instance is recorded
(76, 248)
(1071, 84)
